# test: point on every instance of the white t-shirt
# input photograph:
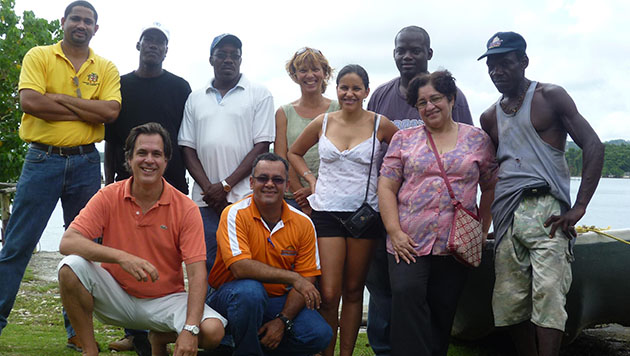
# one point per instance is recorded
(224, 130)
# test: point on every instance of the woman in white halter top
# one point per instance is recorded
(345, 140)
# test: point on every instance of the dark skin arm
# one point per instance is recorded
(252, 269)
(213, 193)
(60, 107)
(93, 111)
(592, 154)
(44, 107)
(108, 165)
(554, 114)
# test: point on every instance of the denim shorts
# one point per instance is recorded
(327, 225)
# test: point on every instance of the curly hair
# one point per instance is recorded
(309, 57)
(442, 80)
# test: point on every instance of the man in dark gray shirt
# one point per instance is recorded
(411, 53)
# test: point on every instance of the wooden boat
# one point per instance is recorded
(599, 293)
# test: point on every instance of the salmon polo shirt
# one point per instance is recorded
(243, 234)
(167, 234)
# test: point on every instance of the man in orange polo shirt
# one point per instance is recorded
(149, 228)
(266, 264)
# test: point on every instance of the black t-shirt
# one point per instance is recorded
(160, 99)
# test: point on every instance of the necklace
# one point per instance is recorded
(521, 97)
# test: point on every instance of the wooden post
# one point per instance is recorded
(6, 191)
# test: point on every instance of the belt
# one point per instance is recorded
(64, 151)
(536, 191)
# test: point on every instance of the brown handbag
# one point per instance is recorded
(465, 242)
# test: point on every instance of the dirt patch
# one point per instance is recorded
(44, 265)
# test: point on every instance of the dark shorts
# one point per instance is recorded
(327, 226)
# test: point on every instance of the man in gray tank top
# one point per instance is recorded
(532, 213)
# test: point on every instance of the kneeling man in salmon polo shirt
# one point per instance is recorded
(265, 270)
(148, 229)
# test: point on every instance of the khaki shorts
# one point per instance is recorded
(532, 271)
(113, 306)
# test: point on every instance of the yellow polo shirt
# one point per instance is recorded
(46, 69)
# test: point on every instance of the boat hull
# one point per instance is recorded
(598, 295)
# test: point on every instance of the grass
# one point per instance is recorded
(36, 327)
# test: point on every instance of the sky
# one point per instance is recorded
(581, 45)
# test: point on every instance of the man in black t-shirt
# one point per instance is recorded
(149, 94)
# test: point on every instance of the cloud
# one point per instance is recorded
(580, 45)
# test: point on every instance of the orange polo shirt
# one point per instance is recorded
(242, 234)
(167, 234)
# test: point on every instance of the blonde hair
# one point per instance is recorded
(309, 57)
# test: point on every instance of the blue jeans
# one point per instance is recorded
(210, 225)
(247, 307)
(380, 305)
(45, 179)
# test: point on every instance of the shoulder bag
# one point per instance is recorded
(465, 241)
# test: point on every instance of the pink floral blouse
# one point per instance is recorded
(424, 206)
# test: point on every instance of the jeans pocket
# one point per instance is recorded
(35, 156)
(92, 157)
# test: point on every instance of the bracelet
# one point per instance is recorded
(306, 173)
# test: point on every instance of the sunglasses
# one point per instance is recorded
(304, 49)
(264, 179)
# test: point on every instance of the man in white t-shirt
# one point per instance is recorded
(226, 125)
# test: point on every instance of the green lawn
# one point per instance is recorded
(36, 327)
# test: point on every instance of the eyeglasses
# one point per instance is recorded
(304, 49)
(264, 179)
(222, 56)
(75, 80)
(435, 99)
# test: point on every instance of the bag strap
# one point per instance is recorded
(367, 188)
(439, 162)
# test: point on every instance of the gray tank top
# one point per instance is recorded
(525, 161)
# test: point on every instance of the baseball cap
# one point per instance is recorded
(225, 38)
(503, 42)
(157, 26)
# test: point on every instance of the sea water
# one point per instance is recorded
(608, 207)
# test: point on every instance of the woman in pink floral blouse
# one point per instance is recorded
(417, 212)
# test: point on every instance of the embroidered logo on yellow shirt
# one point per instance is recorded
(92, 79)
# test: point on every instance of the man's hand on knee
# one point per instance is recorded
(307, 289)
(139, 268)
(271, 333)
(186, 344)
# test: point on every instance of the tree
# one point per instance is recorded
(17, 36)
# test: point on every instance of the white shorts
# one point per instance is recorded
(112, 305)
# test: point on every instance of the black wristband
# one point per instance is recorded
(288, 323)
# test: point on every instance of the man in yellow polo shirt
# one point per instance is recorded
(67, 93)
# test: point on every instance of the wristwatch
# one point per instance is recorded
(288, 323)
(226, 187)
(193, 329)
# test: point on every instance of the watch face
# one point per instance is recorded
(194, 329)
